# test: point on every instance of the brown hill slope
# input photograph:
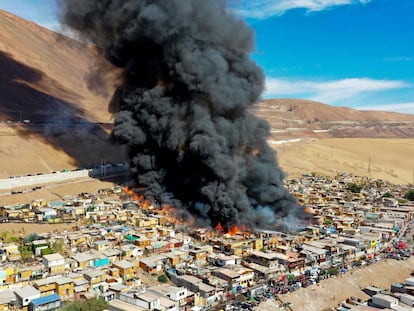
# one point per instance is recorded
(42, 79)
(308, 111)
(296, 118)
(380, 158)
(314, 137)
(44, 72)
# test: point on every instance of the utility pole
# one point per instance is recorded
(369, 167)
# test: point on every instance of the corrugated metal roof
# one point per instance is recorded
(46, 299)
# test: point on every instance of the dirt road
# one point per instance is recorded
(332, 291)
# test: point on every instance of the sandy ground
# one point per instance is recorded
(391, 159)
(332, 291)
(55, 191)
(26, 229)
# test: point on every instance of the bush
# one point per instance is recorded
(333, 271)
(46, 251)
(87, 305)
(26, 252)
(409, 195)
(354, 188)
(162, 278)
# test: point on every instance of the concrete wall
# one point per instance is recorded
(107, 170)
(24, 181)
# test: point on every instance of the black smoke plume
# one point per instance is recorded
(188, 81)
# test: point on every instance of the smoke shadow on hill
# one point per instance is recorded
(58, 122)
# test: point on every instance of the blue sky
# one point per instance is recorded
(356, 53)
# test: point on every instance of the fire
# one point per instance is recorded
(219, 228)
(234, 230)
(168, 209)
(311, 213)
(144, 203)
(169, 212)
(131, 192)
(309, 210)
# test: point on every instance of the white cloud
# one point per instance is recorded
(398, 107)
(262, 9)
(398, 59)
(329, 92)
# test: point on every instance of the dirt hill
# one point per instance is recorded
(296, 118)
(45, 73)
(313, 137)
(51, 118)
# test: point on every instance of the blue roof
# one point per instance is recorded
(56, 203)
(46, 299)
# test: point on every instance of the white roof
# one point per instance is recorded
(27, 291)
(121, 305)
(55, 256)
(7, 296)
(124, 264)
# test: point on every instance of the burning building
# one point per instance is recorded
(181, 107)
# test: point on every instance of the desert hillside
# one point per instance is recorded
(44, 74)
(313, 137)
(381, 158)
(296, 119)
(51, 118)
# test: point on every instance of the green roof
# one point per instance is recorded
(131, 238)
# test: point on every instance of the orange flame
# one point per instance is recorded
(131, 192)
(233, 230)
(144, 203)
(219, 228)
(167, 209)
(309, 210)
(311, 221)
(169, 212)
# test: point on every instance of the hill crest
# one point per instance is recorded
(297, 118)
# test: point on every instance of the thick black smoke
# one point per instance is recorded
(188, 81)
